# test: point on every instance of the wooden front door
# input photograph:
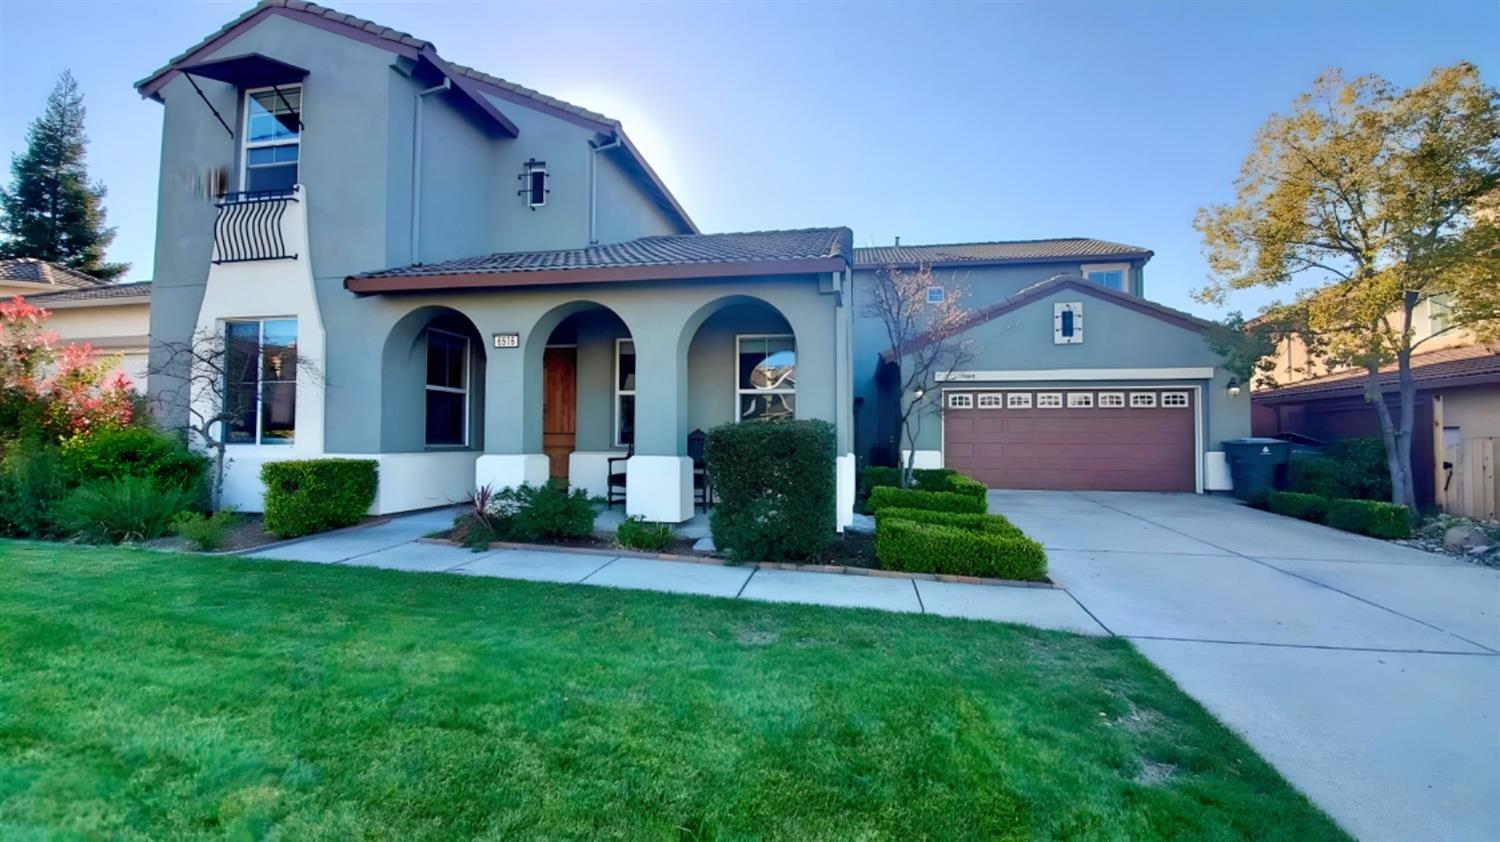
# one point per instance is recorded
(559, 406)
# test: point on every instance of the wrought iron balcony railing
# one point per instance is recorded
(249, 227)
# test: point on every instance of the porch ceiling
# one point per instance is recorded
(802, 251)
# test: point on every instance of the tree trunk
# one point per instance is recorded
(1388, 433)
(1404, 435)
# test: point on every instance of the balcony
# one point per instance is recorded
(256, 226)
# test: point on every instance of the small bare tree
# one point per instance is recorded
(200, 374)
(925, 335)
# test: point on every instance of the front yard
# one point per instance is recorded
(147, 695)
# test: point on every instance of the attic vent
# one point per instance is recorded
(534, 183)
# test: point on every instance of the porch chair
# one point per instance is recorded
(703, 483)
(616, 478)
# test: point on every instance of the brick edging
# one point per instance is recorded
(839, 569)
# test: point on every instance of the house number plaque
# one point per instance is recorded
(507, 340)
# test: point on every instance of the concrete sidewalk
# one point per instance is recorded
(394, 546)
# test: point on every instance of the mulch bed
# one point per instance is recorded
(248, 534)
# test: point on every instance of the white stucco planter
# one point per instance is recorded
(660, 488)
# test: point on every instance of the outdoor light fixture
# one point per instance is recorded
(1234, 388)
(918, 393)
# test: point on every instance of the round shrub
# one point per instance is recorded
(776, 489)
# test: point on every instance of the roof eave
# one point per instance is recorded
(610, 274)
(1007, 261)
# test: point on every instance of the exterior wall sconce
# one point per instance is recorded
(1234, 388)
(917, 393)
(534, 183)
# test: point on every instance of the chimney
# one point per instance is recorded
(898, 239)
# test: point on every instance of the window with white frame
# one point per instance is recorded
(1018, 400)
(991, 400)
(1142, 400)
(273, 138)
(767, 370)
(260, 392)
(1112, 275)
(1080, 400)
(1174, 399)
(624, 392)
(935, 295)
(960, 401)
(1111, 400)
(447, 389)
(1049, 400)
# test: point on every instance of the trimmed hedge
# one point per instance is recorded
(962, 520)
(1295, 504)
(1370, 517)
(776, 489)
(1350, 469)
(304, 496)
(938, 548)
(923, 479)
(937, 501)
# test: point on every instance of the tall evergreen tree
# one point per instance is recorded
(51, 211)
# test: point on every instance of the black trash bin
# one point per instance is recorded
(1254, 464)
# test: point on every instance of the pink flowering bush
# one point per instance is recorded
(64, 392)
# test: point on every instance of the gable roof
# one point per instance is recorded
(999, 251)
(807, 250)
(1446, 367)
(1073, 283)
(34, 271)
(466, 79)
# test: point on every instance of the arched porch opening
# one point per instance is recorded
(739, 355)
(432, 383)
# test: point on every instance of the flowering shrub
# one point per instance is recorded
(66, 392)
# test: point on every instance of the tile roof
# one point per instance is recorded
(1430, 370)
(138, 289)
(32, 270)
(1002, 251)
(677, 250)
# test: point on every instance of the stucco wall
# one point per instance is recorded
(118, 329)
(984, 285)
(1115, 337)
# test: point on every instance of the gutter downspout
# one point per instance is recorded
(594, 188)
(416, 169)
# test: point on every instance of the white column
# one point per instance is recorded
(508, 470)
(844, 466)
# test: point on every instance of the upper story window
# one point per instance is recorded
(935, 295)
(260, 392)
(767, 385)
(273, 138)
(534, 183)
(1116, 276)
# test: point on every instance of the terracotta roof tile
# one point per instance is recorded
(684, 249)
(1002, 251)
(139, 289)
(31, 270)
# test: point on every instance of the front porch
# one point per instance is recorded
(601, 384)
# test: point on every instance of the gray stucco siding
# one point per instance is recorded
(1115, 338)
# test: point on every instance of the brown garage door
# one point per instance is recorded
(1073, 439)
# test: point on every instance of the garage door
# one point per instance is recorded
(1073, 439)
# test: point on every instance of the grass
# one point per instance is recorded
(147, 695)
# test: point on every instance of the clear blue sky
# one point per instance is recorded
(935, 122)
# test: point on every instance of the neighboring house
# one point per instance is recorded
(1457, 408)
(493, 286)
(1457, 422)
(1131, 398)
(113, 318)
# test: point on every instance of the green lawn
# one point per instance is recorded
(156, 696)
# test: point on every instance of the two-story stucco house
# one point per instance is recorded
(472, 282)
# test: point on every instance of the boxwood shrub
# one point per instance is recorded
(136, 452)
(1370, 517)
(1312, 507)
(923, 479)
(304, 496)
(939, 548)
(937, 501)
(962, 520)
(776, 489)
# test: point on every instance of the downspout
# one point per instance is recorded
(594, 186)
(416, 169)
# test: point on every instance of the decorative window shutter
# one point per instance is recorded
(1067, 323)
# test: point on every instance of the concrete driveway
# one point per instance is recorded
(1368, 673)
